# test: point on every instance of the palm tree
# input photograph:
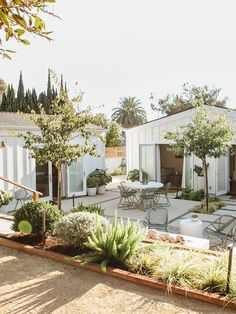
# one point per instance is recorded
(129, 113)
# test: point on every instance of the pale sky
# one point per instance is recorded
(132, 48)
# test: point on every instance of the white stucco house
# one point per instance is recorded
(147, 149)
(16, 165)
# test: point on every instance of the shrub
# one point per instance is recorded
(101, 177)
(5, 198)
(114, 245)
(75, 228)
(214, 204)
(187, 269)
(92, 181)
(133, 175)
(190, 194)
(90, 209)
(32, 212)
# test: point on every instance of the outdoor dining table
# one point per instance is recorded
(139, 186)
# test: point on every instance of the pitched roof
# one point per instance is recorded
(13, 119)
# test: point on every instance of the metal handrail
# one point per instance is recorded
(35, 193)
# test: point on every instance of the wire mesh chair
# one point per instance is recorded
(161, 217)
(163, 192)
(128, 197)
(222, 229)
(21, 196)
(147, 196)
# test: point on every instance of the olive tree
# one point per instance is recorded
(57, 130)
(19, 18)
(205, 136)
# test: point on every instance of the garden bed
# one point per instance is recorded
(53, 247)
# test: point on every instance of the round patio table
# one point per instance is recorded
(140, 186)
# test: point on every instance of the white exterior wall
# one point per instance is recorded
(153, 133)
(16, 165)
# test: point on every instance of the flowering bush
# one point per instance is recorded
(5, 198)
(75, 228)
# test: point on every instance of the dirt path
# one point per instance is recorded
(30, 284)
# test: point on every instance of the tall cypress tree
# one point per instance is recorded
(49, 92)
(35, 106)
(4, 102)
(11, 98)
(62, 84)
(20, 94)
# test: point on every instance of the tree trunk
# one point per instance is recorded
(206, 184)
(59, 186)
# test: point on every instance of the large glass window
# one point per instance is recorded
(76, 176)
(42, 179)
(147, 161)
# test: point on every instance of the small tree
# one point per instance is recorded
(204, 137)
(57, 130)
(113, 137)
(172, 104)
(19, 18)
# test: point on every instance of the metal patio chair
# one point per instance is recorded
(222, 229)
(147, 196)
(161, 217)
(163, 192)
(21, 196)
(128, 197)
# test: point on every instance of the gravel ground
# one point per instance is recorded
(30, 284)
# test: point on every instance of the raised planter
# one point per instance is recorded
(122, 274)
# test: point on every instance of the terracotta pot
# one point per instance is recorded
(91, 191)
(101, 189)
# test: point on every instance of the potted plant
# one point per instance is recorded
(200, 179)
(91, 185)
(102, 179)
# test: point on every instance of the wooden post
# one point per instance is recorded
(230, 249)
(35, 196)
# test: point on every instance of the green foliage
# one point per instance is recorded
(5, 198)
(32, 213)
(214, 204)
(75, 228)
(187, 269)
(89, 208)
(172, 104)
(26, 101)
(101, 177)
(198, 170)
(92, 181)
(133, 175)
(58, 129)
(113, 136)
(20, 18)
(207, 135)
(130, 113)
(190, 194)
(116, 244)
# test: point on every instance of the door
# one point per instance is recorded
(148, 161)
(44, 180)
(76, 183)
(221, 175)
(188, 172)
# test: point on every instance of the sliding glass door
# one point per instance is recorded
(147, 162)
(76, 183)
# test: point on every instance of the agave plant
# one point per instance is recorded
(115, 245)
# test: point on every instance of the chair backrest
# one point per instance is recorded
(20, 194)
(167, 186)
(123, 190)
(149, 192)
